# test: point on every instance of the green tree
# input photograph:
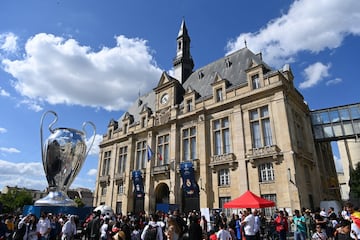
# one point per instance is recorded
(79, 202)
(14, 200)
(354, 182)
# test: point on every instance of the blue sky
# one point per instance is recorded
(88, 60)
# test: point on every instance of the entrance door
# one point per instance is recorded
(162, 193)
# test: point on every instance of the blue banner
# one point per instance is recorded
(138, 184)
(82, 212)
(190, 187)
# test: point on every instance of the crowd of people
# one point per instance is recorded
(248, 224)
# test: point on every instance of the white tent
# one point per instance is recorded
(105, 210)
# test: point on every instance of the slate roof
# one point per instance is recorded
(201, 79)
(231, 67)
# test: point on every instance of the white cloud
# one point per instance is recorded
(92, 172)
(334, 81)
(4, 93)
(27, 174)
(95, 147)
(8, 42)
(61, 71)
(308, 26)
(3, 130)
(31, 105)
(314, 74)
(9, 150)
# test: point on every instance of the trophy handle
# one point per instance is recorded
(41, 130)
(94, 134)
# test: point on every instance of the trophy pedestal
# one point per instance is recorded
(55, 198)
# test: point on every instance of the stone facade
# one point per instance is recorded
(240, 124)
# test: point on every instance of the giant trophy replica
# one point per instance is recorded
(63, 155)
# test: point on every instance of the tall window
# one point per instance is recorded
(219, 95)
(106, 163)
(120, 188)
(221, 136)
(255, 81)
(140, 155)
(189, 105)
(118, 207)
(122, 159)
(143, 122)
(163, 150)
(266, 172)
(103, 190)
(222, 201)
(189, 143)
(260, 127)
(300, 137)
(224, 177)
(125, 129)
(271, 197)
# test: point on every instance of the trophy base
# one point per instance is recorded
(55, 198)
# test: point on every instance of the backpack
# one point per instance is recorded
(151, 232)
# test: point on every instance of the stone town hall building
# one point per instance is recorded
(205, 136)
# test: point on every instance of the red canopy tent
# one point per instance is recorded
(249, 200)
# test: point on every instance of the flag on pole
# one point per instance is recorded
(159, 156)
(150, 153)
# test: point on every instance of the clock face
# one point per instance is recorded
(164, 99)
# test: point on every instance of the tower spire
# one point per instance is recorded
(183, 62)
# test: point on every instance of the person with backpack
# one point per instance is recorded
(152, 231)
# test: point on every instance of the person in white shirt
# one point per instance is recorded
(69, 229)
(43, 227)
(257, 224)
(104, 229)
(249, 225)
(345, 214)
(355, 231)
(223, 234)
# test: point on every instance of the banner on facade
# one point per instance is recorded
(190, 187)
(138, 184)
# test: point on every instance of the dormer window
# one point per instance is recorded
(255, 81)
(189, 105)
(227, 63)
(200, 74)
(125, 128)
(143, 122)
(219, 95)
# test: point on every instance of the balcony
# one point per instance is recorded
(119, 176)
(104, 180)
(264, 152)
(223, 159)
(162, 169)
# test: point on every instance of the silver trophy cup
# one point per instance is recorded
(63, 154)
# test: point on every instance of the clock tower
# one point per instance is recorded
(183, 62)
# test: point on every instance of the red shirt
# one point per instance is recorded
(281, 223)
(213, 237)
